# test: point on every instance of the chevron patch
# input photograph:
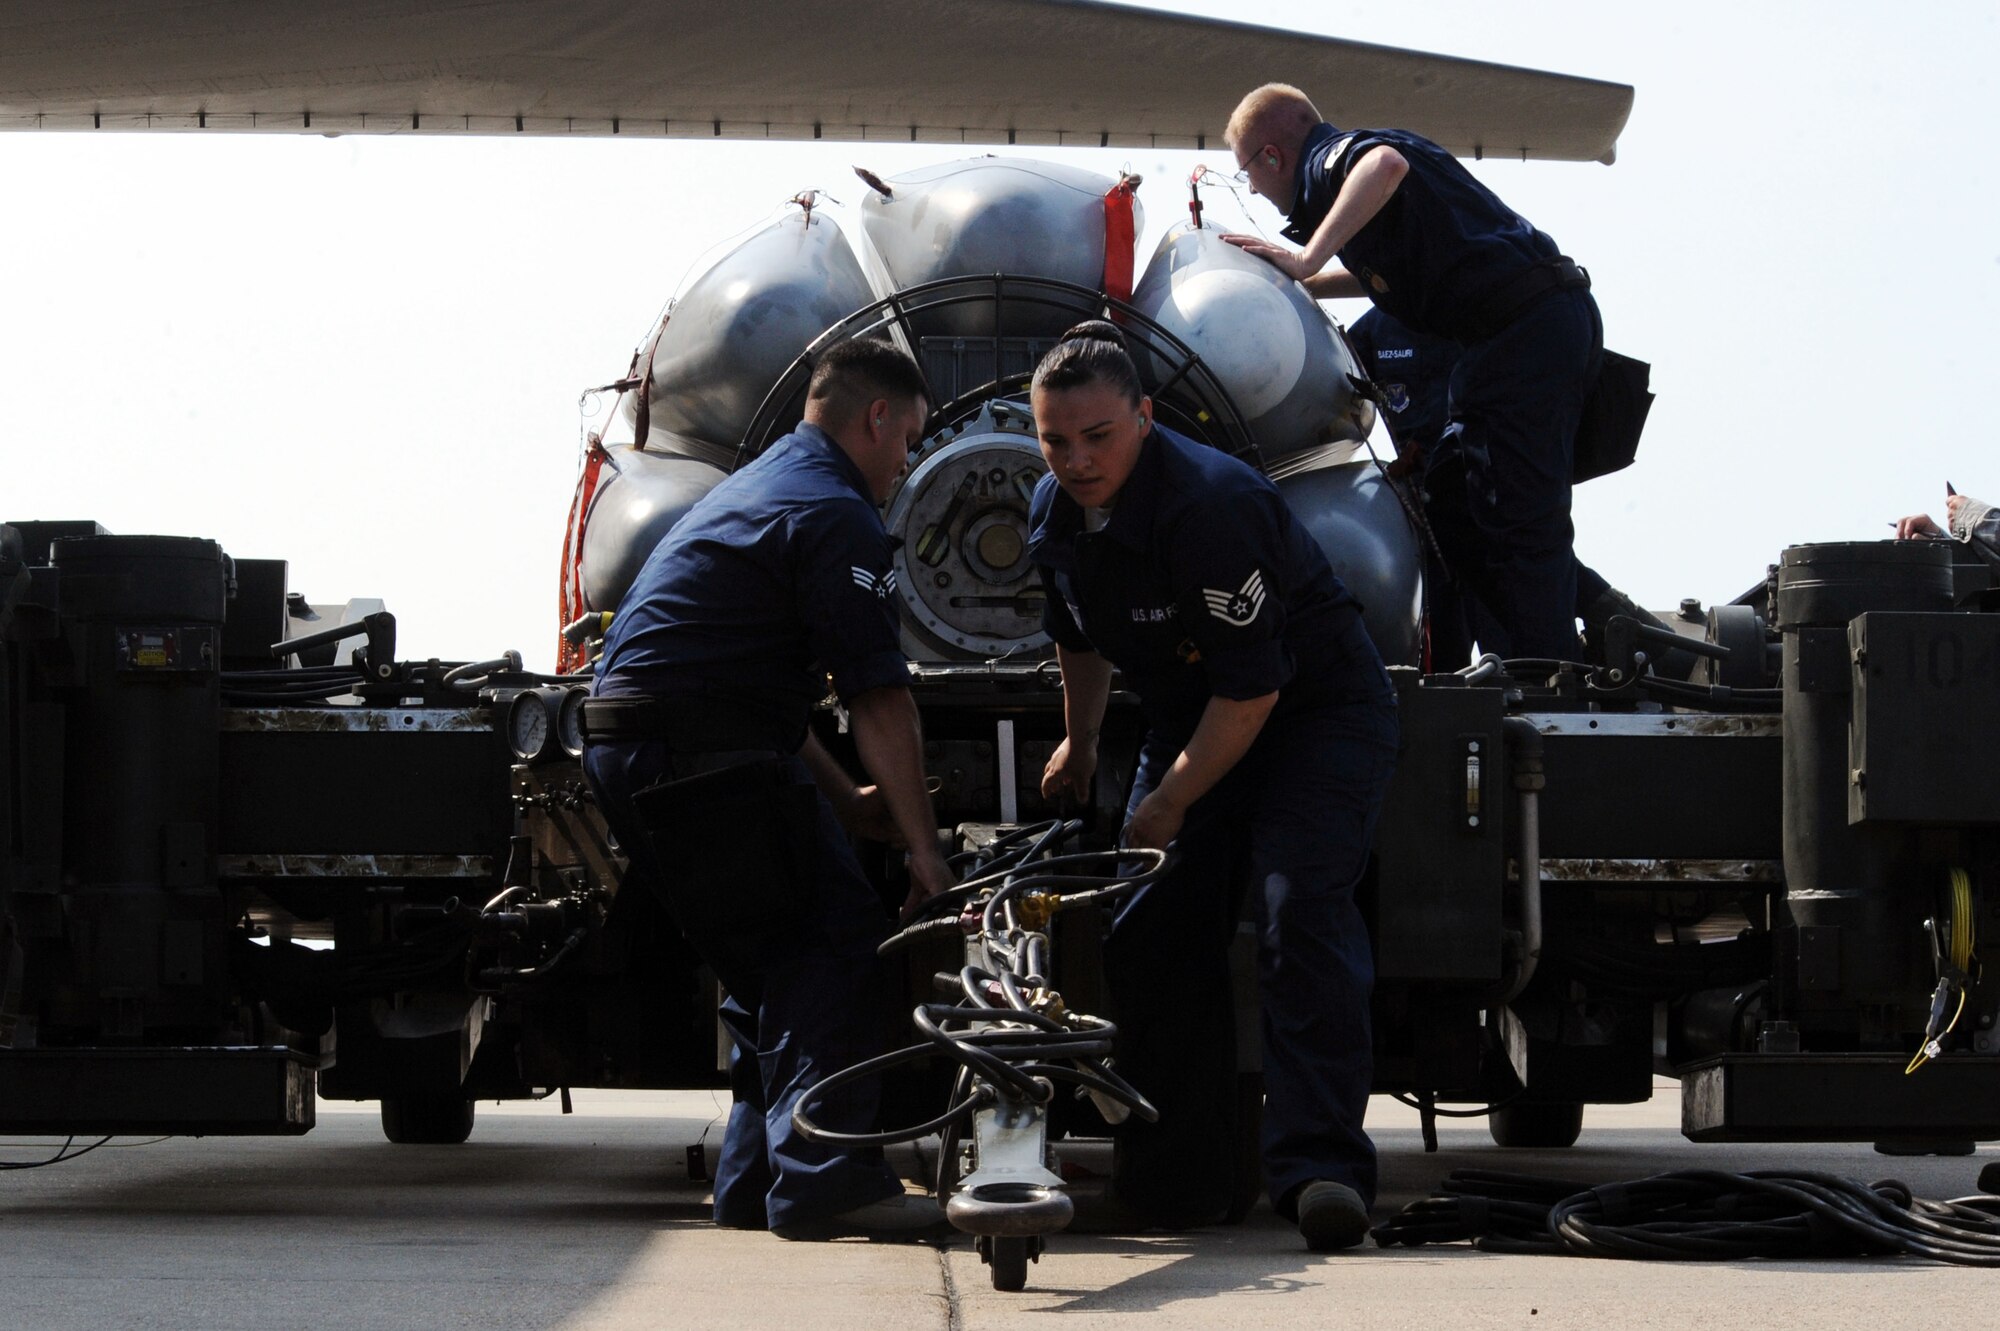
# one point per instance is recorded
(883, 586)
(1239, 607)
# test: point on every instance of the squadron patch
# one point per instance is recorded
(1396, 397)
(883, 586)
(1239, 607)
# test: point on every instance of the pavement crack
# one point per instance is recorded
(954, 1312)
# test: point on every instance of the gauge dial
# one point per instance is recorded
(531, 726)
(569, 720)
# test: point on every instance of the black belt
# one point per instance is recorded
(1500, 306)
(683, 725)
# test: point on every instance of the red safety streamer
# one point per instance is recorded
(1120, 238)
(573, 656)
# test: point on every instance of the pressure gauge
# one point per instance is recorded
(569, 720)
(533, 726)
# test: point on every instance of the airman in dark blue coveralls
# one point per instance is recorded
(1271, 736)
(778, 579)
(1413, 372)
(1420, 237)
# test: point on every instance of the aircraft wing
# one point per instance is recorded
(933, 71)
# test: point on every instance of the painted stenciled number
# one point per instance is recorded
(1944, 661)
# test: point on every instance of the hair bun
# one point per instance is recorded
(1090, 353)
(1095, 330)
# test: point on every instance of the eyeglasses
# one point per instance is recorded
(1241, 175)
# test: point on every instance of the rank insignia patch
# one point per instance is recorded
(868, 582)
(1239, 607)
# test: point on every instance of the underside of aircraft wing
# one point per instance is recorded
(935, 71)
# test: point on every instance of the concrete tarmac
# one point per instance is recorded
(590, 1221)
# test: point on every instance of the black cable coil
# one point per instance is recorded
(1699, 1215)
(1004, 1045)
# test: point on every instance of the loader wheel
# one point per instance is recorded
(1008, 1258)
(1539, 1123)
(430, 1120)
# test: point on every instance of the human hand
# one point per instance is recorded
(1069, 772)
(1289, 262)
(1155, 823)
(929, 875)
(1919, 525)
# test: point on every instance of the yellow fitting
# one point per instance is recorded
(1033, 909)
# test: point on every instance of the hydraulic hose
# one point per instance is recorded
(472, 674)
(1007, 1031)
(1485, 668)
(1700, 1215)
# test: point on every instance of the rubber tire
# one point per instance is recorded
(1544, 1124)
(1008, 1258)
(427, 1120)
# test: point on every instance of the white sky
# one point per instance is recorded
(363, 355)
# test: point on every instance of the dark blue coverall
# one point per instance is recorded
(781, 573)
(1203, 584)
(1446, 257)
(1413, 372)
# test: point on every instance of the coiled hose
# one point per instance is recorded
(1008, 1031)
(1700, 1215)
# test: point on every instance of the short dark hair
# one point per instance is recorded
(1093, 352)
(849, 375)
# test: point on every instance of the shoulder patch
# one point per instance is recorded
(883, 585)
(1240, 607)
